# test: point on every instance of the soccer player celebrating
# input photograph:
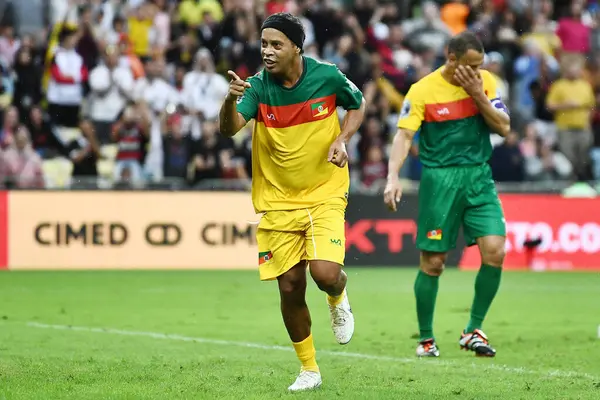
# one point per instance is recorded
(300, 178)
(456, 109)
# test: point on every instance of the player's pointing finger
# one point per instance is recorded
(233, 75)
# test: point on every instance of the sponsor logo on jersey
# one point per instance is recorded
(443, 111)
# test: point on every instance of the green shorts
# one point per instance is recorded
(455, 196)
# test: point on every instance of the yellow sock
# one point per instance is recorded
(305, 350)
(335, 300)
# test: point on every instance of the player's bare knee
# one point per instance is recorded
(492, 249)
(292, 286)
(433, 263)
(327, 275)
(293, 282)
(493, 256)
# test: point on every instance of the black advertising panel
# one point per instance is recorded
(376, 236)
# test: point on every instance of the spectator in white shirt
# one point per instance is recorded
(203, 90)
(154, 91)
(9, 45)
(68, 73)
(111, 88)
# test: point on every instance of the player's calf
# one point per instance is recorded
(332, 280)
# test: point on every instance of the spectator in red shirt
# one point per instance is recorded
(131, 133)
(374, 169)
(573, 33)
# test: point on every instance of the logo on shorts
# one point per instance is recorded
(264, 256)
(337, 242)
(435, 234)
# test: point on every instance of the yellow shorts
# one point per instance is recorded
(287, 237)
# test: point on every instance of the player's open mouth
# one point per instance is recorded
(269, 63)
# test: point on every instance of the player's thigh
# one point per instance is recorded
(484, 215)
(440, 210)
(279, 246)
(484, 225)
(325, 235)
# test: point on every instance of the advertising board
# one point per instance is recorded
(3, 230)
(566, 230)
(217, 230)
(171, 230)
(377, 237)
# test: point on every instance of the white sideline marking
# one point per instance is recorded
(163, 336)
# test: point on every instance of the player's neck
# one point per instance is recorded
(293, 75)
(448, 75)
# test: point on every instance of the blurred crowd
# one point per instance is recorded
(127, 92)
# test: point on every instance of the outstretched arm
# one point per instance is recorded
(230, 119)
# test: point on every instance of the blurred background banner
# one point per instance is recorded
(547, 232)
(79, 230)
(376, 236)
(202, 230)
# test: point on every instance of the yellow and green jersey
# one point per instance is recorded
(452, 131)
(293, 130)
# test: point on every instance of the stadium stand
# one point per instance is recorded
(91, 60)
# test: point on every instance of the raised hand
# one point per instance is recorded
(237, 86)
(470, 80)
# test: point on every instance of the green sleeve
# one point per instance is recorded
(348, 95)
(247, 105)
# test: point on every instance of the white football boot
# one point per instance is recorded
(476, 342)
(307, 380)
(428, 348)
(342, 320)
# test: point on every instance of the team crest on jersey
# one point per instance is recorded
(405, 111)
(240, 99)
(435, 234)
(319, 109)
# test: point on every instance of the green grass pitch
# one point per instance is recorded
(219, 335)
